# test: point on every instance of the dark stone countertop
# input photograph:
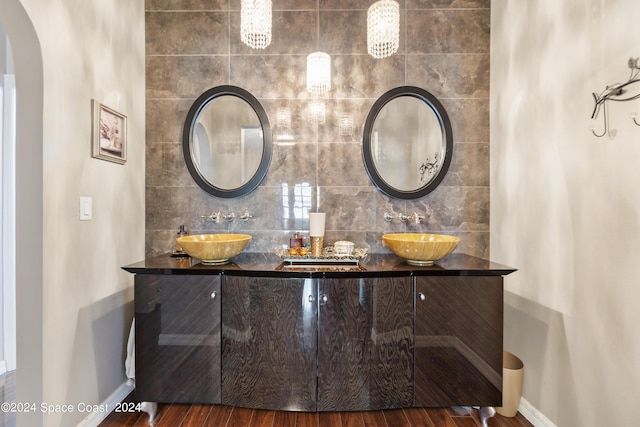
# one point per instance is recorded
(270, 265)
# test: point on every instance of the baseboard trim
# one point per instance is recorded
(533, 415)
(95, 418)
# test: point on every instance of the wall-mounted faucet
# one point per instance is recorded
(414, 218)
(218, 217)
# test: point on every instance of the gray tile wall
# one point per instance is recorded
(193, 45)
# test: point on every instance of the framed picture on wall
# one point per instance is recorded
(109, 133)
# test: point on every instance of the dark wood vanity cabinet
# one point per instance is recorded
(256, 334)
(317, 344)
(177, 329)
(269, 343)
(458, 341)
(365, 344)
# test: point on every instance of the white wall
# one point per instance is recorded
(565, 205)
(75, 294)
(29, 317)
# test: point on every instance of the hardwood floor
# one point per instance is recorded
(227, 416)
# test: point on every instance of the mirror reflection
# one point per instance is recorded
(407, 143)
(227, 136)
(407, 159)
(227, 143)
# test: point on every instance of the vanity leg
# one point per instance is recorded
(150, 408)
(486, 412)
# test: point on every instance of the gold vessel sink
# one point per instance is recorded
(214, 248)
(420, 248)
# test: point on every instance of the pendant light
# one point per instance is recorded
(383, 28)
(318, 72)
(255, 23)
(318, 67)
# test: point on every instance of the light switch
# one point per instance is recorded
(86, 212)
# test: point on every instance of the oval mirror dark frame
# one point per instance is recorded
(190, 123)
(447, 136)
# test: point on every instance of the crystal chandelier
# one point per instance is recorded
(318, 72)
(255, 23)
(383, 28)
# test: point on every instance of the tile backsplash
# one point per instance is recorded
(193, 45)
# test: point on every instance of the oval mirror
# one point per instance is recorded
(227, 141)
(408, 143)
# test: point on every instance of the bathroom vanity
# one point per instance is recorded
(259, 333)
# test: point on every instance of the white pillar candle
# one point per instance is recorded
(316, 223)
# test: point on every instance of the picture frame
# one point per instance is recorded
(109, 133)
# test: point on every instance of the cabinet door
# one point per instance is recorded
(458, 355)
(269, 342)
(365, 344)
(177, 338)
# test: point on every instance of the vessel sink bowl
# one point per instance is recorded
(214, 248)
(420, 248)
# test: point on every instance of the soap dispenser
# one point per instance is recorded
(181, 232)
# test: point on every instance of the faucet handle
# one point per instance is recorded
(416, 218)
(246, 216)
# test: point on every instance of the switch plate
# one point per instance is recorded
(86, 210)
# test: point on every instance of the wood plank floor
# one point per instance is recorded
(227, 416)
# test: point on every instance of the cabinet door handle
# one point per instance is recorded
(324, 298)
(422, 296)
(310, 298)
(214, 295)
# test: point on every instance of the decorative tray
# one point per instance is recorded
(327, 257)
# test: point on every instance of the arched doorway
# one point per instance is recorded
(7, 201)
(27, 58)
